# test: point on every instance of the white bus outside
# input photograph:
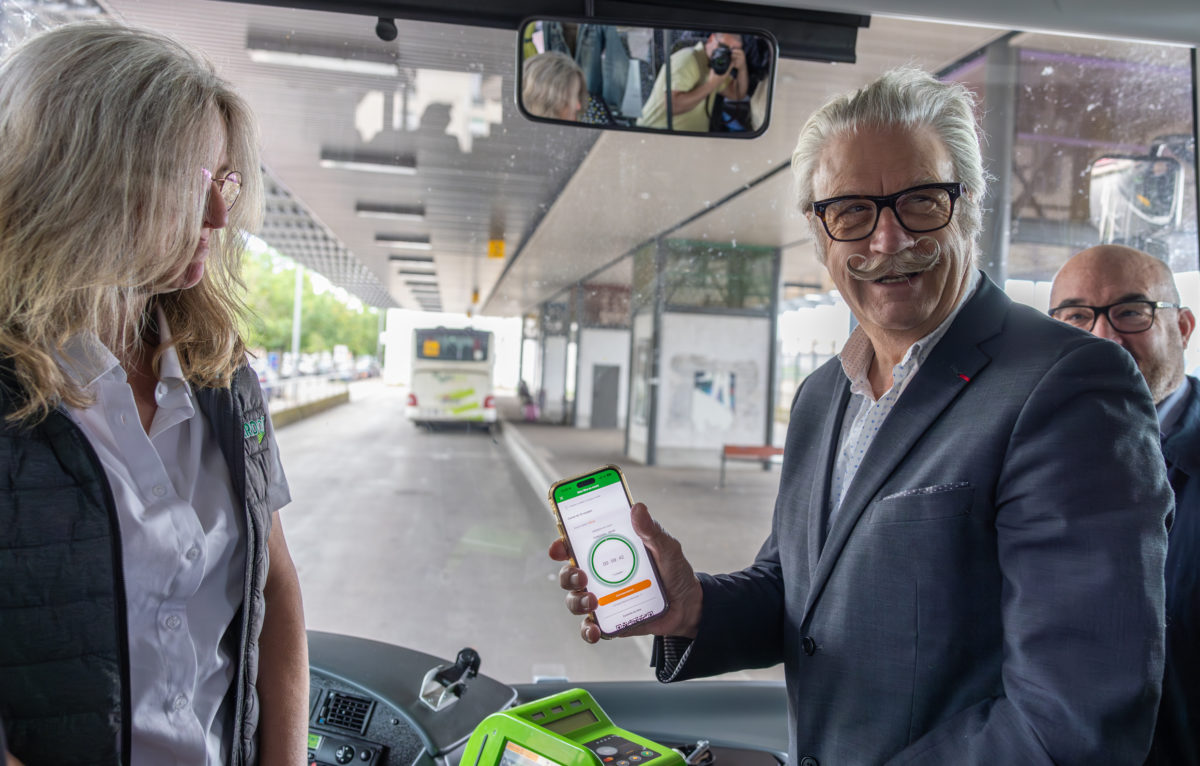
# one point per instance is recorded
(452, 376)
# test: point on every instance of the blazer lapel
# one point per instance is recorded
(819, 502)
(954, 361)
(1182, 448)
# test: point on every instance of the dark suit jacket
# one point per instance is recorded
(991, 590)
(1177, 737)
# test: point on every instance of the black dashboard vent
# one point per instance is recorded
(342, 711)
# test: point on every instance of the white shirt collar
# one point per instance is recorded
(85, 359)
(857, 354)
(1170, 409)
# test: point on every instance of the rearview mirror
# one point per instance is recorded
(613, 76)
(1135, 196)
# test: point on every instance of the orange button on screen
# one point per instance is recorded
(628, 590)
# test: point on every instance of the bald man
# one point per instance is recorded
(1130, 297)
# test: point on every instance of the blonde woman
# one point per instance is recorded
(552, 86)
(141, 621)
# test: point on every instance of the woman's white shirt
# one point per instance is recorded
(184, 559)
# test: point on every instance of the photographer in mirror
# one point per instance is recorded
(699, 73)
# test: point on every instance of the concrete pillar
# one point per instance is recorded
(552, 393)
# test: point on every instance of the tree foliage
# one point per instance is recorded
(326, 319)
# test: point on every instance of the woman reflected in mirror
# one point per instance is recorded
(553, 86)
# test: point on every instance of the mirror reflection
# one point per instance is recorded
(1136, 200)
(617, 76)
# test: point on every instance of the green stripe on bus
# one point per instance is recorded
(460, 394)
(464, 408)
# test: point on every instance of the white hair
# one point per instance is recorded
(908, 98)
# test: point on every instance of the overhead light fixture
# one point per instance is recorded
(367, 162)
(390, 212)
(403, 243)
(417, 272)
(324, 63)
(325, 55)
(411, 260)
(424, 279)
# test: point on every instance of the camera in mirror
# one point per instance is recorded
(688, 81)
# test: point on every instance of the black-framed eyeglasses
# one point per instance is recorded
(921, 209)
(1126, 316)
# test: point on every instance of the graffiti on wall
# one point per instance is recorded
(714, 396)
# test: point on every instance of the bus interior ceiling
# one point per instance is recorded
(569, 204)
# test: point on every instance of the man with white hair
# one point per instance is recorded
(965, 562)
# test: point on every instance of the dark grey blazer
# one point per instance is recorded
(991, 590)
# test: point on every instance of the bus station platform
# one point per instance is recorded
(721, 528)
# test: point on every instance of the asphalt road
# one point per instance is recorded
(433, 541)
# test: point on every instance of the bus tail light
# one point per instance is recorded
(412, 400)
(489, 402)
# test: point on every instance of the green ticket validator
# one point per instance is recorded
(565, 729)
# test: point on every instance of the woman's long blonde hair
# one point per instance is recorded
(105, 132)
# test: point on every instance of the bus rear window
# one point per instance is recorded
(452, 345)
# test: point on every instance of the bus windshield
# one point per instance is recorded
(608, 296)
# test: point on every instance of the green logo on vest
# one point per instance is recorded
(255, 429)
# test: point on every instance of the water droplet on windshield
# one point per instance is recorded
(1047, 71)
(734, 168)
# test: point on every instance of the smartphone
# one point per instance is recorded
(593, 519)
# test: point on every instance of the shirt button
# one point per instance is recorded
(159, 490)
(173, 622)
(193, 553)
(179, 703)
(123, 418)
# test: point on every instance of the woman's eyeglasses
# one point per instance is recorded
(229, 186)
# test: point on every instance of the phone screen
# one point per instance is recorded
(594, 510)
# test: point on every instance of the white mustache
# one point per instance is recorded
(910, 261)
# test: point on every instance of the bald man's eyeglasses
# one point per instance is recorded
(1127, 316)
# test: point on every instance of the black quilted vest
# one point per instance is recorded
(64, 656)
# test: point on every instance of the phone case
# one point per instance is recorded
(562, 534)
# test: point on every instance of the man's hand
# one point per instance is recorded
(683, 592)
(737, 85)
(11, 760)
(715, 81)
